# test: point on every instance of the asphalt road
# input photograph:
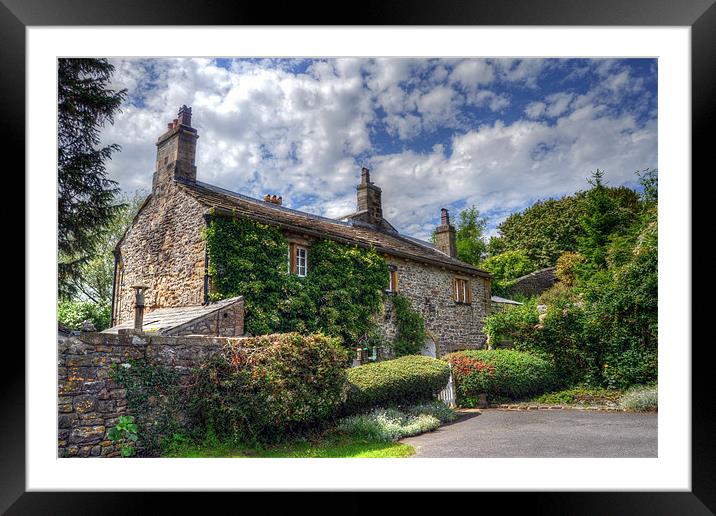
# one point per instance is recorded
(542, 433)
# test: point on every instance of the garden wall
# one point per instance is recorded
(89, 403)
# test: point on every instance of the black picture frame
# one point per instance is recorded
(700, 15)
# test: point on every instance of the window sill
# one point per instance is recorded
(463, 303)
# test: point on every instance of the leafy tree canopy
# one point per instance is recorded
(85, 196)
(549, 228)
(469, 236)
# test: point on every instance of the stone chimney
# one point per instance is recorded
(176, 153)
(445, 235)
(369, 198)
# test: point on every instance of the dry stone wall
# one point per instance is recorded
(90, 403)
(165, 250)
(453, 326)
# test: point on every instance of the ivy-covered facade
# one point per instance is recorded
(355, 277)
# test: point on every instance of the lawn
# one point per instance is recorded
(329, 447)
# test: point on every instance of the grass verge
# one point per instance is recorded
(329, 447)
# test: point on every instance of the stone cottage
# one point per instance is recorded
(165, 250)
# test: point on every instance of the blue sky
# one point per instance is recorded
(496, 133)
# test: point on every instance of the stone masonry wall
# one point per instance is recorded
(227, 322)
(90, 403)
(164, 250)
(453, 326)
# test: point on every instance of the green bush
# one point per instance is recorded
(406, 379)
(499, 373)
(73, 313)
(264, 388)
(515, 323)
(507, 267)
(642, 398)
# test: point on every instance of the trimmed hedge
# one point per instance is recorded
(262, 388)
(499, 373)
(406, 379)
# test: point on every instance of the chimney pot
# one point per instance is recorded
(364, 176)
(444, 217)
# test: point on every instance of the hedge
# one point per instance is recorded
(499, 373)
(263, 388)
(406, 379)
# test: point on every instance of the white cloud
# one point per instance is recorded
(266, 128)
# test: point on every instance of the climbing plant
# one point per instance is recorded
(340, 295)
(411, 335)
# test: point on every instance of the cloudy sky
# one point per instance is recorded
(496, 133)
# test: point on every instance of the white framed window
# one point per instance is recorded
(297, 260)
(301, 261)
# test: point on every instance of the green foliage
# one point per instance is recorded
(265, 388)
(411, 335)
(606, 213)
(499, 373)
(406, 379)
(153, 397)
(73, 313)
(543, 231)
(85, 199)
(96, 275)
(549, 228)
(515, 323)
(469, 236)
(348, 284)
(567, 267)
(506, 267)
(600, 326)
(125, 433)
(340, 295)
(387, 424)
(641, 398)
(580, 396)
(247, 258)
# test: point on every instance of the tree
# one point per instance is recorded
(469, 239)
(608, 213)
(85, 200)
(505, 268)
(94, 282)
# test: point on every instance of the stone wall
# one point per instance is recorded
(534, 283)
(451, 325)
(227, 322)
(90, 403)
(165, 250)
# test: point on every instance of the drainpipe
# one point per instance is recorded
(139, 307)
(114, 286)
(207, 220)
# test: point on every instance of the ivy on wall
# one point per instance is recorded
(411, 335)
(340, 295)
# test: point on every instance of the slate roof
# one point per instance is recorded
(231, 203)
(164, 320)
(505, 301)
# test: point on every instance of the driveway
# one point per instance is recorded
(542, 433)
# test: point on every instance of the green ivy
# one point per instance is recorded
(340, 295)
(411, 334)
(152, 398)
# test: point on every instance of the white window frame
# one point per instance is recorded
(301, 268)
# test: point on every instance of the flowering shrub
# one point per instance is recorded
(499, 373)
(262, 388)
